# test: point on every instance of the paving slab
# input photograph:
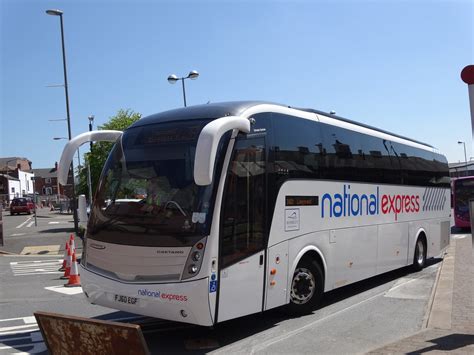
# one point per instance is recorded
(450, 326)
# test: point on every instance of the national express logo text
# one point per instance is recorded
(353, 204)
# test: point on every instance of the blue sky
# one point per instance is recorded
(392, 64)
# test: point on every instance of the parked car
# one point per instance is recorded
(21, 205)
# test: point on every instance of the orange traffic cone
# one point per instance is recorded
(72, 244)
(67, 270)
(74, 279)
(66, 248)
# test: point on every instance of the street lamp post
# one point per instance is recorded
(465, 156)
(172, 79)
(68, 117)
(89, 179)
(33, 178)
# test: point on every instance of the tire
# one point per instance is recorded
(307, 287)
(419, 260)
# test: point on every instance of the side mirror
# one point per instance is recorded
(208, 142)
(71, 147)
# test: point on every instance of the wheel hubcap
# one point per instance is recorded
(302, 286)
(421, 252)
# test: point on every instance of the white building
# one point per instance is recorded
(26, 183)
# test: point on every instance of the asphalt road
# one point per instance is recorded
(52, 229)
(353, 319)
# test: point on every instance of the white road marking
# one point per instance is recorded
(30, 224)
(15, 327)
(24, 319)
(24, 331)
(37, 348)
(460, 236)
(29, 320)
(23, 336)
(39, 273)
(17, 234)
(35, 267)
(65, 290)
(54, 222)
(21, 225)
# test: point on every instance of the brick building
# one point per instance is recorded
(47, 183)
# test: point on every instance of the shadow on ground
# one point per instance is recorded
(447, 343)
(456, 230)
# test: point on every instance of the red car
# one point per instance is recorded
(20, 205)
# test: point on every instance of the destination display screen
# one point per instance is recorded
(302, 200)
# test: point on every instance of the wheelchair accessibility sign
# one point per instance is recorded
(213, 284)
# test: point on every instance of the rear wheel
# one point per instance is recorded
(419, 260)
(307, 287)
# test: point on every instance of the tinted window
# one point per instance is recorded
(243, 228)
(297, 149)
(307, 149)
(420, 167)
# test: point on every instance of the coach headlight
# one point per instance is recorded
(194, 261)
(196, 256)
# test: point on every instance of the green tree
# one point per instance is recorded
(100, 150)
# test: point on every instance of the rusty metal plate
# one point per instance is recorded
(65, 334)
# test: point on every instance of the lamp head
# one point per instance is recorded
(172, 79)
(459, 142)
(91, 118)
(54, 12)
(193, 75)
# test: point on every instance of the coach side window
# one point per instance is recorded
(442, 170)
(243, 213)
(343, 154)
(381, 161)
(297, 146)
(418, 166)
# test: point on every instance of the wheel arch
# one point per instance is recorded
(312, 252)
(421, 233)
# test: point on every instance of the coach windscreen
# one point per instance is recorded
(147, 195)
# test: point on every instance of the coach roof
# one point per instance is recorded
(236, 108)
(214, 110)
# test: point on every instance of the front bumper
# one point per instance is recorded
(180, 301)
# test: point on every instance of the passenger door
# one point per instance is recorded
(242, 233)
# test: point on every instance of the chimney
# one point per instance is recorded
(56, 166)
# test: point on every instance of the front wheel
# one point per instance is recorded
(419, 260)
(307, 287)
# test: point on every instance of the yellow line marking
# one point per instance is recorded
(41, 250)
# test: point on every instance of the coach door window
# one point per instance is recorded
(243, 212)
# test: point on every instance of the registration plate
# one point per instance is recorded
(126, 299)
